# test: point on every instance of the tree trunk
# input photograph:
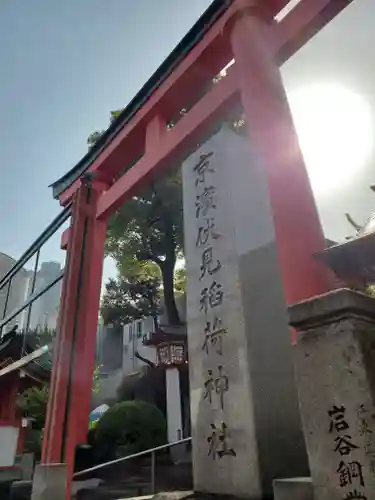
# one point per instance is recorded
(169, 298)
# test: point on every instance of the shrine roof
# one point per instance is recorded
(194, 35)
(11, 350)
(352, 261)
(166, 333)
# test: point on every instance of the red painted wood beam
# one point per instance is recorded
(9, 423)
(8, 397)
(74, 350)
(304, 22)
(65, 239)
(52, 451)
(176, 143)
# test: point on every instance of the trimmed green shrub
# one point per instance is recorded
(130, 427)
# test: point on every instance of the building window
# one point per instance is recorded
(139, 330)
(130, 333)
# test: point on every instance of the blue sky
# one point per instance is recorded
(66, 64)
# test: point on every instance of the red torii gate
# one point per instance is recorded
(239, 29)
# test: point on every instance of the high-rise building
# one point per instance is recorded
(44, 310)
(13, 297)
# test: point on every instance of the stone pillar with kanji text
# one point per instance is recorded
(245, 419)
(335, 373)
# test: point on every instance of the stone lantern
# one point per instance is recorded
(170, 344)
(353, 261)
(171, 354)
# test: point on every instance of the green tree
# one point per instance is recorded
(126, 300)
(33, 404)
(95, 136)
(180, 280)
(145, 237)
(96, 380)
(130, 427)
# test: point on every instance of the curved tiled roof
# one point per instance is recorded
(12, 346)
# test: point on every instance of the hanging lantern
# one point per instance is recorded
(171, 353)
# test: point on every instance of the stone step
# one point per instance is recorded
(294, 488)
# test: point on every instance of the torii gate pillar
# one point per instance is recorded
(74, 352)
(273, 137)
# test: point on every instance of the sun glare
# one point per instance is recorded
(335, 131)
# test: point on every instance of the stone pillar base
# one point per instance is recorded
(335, 374)
(50, 482)
(296, 488)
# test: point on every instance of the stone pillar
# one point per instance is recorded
(174, 413)
(27, 466)
(335, 373)
(172, 378)
(244, 410)
(50, 482)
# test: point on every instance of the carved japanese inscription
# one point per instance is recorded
(211, 296)
(350, 469)
(229, 245)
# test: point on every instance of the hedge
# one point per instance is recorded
(130, 427)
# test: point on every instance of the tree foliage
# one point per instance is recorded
(33, 405)
(126, 300)
(96, 135)
(130, 427)
(145, 237)
(96, 380)
(146, 385)
(180, 280)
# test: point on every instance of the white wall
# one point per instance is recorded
(132, 341)
(133, 335)
(108, 384)
(8, 445)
